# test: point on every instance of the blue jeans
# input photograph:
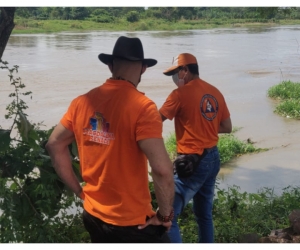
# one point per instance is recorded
(200, 187)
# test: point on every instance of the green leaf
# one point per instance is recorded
(14, 186)
(257, 197)
(4, 139)
(24, 126)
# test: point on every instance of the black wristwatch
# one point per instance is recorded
(166, 218)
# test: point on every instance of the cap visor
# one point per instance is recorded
(171, 71)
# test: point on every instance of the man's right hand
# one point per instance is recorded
(155, 221)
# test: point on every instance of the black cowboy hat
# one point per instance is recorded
(129, 49)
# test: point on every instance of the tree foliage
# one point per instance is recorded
(166, 13)
(132, 16)
(34, 202)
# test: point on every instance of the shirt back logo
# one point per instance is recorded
(209, 107)
(99, 131)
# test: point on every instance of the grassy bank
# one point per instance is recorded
(229, 146)
(288, 94)
(28, 26)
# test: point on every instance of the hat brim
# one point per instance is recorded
(171, 71)
(107, 59)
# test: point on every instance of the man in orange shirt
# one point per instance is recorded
(117, 128)
(200, 113)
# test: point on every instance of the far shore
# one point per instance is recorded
(30, 26)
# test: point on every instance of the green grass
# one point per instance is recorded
(238, 213)
(170, 144)
(288, 93)
(285, 90)
(229, 146)
(49, 26)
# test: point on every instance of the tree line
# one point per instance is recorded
(109, 14)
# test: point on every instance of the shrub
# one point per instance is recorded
(34, 202)
(132, 16)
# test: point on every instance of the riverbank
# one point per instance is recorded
(31, 26)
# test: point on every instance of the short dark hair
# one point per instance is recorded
(193, 68)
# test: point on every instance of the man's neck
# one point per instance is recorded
(121, 78)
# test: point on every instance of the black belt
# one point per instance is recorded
(205, 151)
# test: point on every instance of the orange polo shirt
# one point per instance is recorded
(108, 121)
(198, 108)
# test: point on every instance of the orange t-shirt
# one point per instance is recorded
(108, 121)
(198, 108)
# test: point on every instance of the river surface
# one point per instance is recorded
(242, 62)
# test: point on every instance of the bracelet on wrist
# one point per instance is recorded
(166, 218)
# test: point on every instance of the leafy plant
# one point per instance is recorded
(238, 213)
(34, 202)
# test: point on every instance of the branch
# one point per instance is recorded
(27, 197)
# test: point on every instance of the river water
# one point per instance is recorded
(242, 62)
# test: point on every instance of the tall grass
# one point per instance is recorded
(229, 146)
(285, 90)
(288, 93)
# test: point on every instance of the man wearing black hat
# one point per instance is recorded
(117, 129)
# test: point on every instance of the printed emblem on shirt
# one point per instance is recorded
(99, 130)
(209, 107)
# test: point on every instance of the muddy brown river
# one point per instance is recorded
(242, 62)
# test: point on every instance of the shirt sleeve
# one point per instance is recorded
(67, 119)
(149, 123)
(226, 113)
(171, 106)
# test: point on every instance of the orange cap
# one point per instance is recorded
(180, 60)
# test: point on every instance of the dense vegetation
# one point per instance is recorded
(133, 14)
(237, 214)
(34, 203)
(288, 94)
(53, 19)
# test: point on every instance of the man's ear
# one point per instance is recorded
(144, 67)
(110, 66)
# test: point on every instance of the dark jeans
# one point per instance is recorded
(200, 188)
(102, 232)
